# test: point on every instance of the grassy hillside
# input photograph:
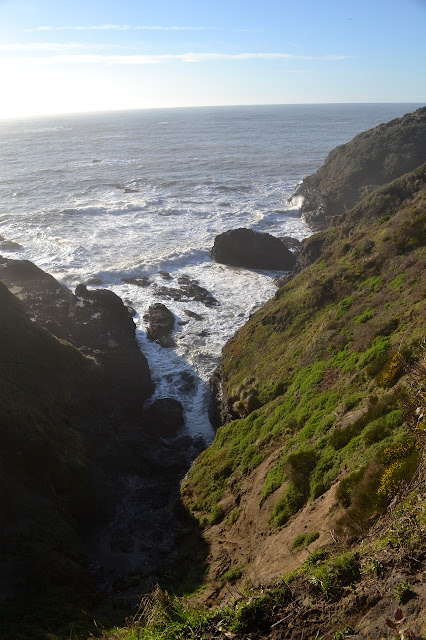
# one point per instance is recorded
(329, 379)
(324, 379)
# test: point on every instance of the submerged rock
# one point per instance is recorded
(188, 290)
(251, 249)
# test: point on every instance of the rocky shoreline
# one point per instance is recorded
(133, 457)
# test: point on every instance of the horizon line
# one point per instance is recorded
(206, 106)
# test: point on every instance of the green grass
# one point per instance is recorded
(316, 352)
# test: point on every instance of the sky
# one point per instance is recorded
(92, 55)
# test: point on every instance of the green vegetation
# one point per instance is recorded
(304, 539)
(324, 359)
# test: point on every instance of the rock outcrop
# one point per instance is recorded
(353, 170)
(251, 249)
(96, 322)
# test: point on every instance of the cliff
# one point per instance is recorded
(88, 487)
(325, 382)
(353, 170)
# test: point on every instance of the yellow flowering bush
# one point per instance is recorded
(390, 479)
(402, 459)
(391, 372)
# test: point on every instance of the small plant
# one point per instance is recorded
(233, 516)
(217, 514)
(395, 625)
(304, 539)
(232, 575)
(402, 590)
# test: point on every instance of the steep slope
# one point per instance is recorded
(322, 378)
(42, 456)
(353, 170)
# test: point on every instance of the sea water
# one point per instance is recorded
(100, 198)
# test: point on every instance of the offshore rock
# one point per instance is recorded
(354, 170)
(161, 324)
(253, 250)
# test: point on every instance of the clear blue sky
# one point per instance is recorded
(99, 55)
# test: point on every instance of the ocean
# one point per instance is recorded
(101, 198)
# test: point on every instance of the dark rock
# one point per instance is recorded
(94, 281)
(192, 314)
(187, 382)
(143, 281)
(165, 275)
(219, 411)
(161, 324)
(293, 244)
(251, 249)
(193, 291)
(95, 321)
(353, 170)
(164, 417)
(8, 245)
(189, 290)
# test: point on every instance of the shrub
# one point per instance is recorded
(232, 575)
(233, 516)
(288, 505)
(305, 539)
(391, 372)
(217, 514)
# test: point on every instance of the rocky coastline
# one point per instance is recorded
(121, 493)
(87, 458)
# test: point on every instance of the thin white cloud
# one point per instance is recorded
(165, 58)
(122, 27)
(56, 46)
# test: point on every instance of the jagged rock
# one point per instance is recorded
(246, 248)
(219, 411)
(293, 244)
(95, 321)
(9, 245)
(189, 290)
(353, 170)
(161, 324)
(164, 417)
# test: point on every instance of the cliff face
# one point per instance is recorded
(43, 461)
(353, 170)
(85, 481)
(324, 380)
(97, 323)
